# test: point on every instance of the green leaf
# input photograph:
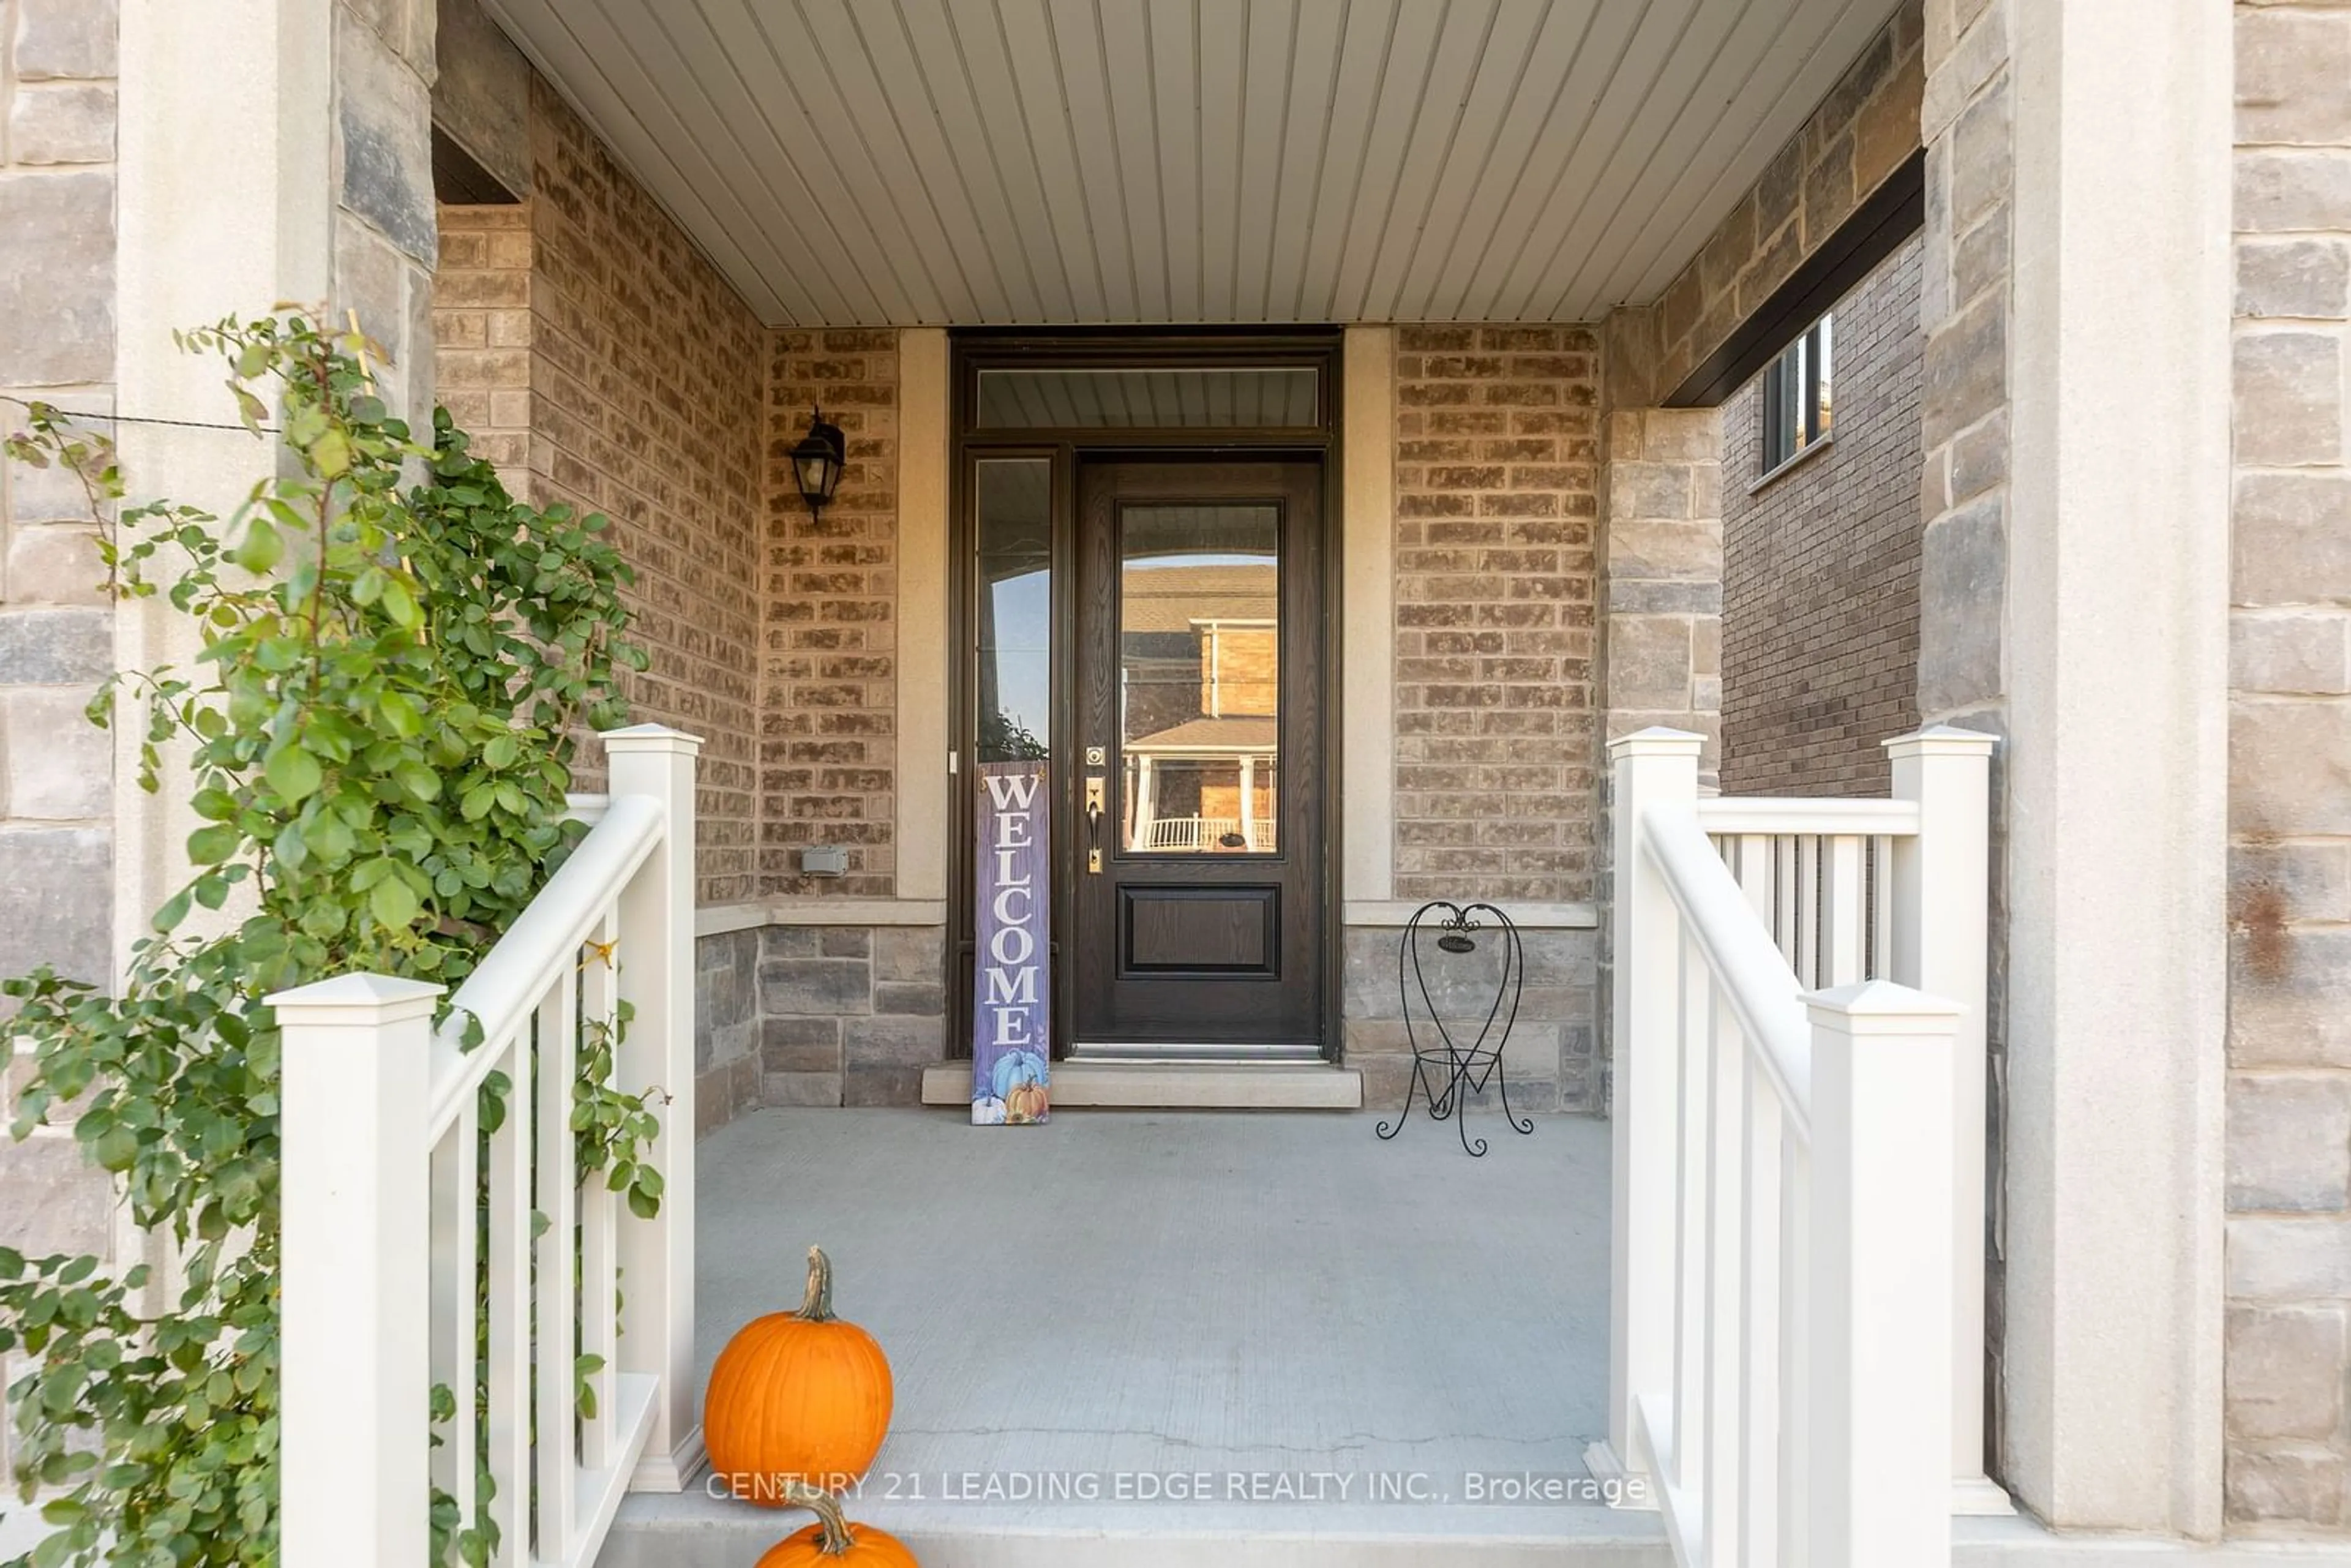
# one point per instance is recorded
(261, 547)
(392, 903)
(210, 846)
(293, 772)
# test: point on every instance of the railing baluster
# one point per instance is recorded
(555, 1322)
(1795, 1353)
(600, 1284)
(508, 1372)
(1726, 1053)
(455, 1302)
(1761, 1344)
(1692, 1053)
(1842, 931)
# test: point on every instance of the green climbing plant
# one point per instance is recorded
(377, 734)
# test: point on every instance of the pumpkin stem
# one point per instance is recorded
(832, 1527)
(816, 1307)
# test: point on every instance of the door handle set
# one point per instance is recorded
(1094, 797)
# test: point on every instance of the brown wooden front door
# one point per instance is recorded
(1198, 859)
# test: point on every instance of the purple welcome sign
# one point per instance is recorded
(1011, 1049)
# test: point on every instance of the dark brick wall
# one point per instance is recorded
(1820, 616)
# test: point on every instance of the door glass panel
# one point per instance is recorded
(1237, 397)
(1012, 619)
(1199, 647)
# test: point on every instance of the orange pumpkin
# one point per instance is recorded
(797, 1396)
(1026, 1103)
(832, 1542)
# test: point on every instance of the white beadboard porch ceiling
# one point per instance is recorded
(1050, 162)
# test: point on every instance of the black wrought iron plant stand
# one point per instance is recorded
(1462, 1070)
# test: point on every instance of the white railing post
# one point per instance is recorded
(356, 1271)
(655, 960)
(1940, 889)
(1654, 766)
(1879, 1408)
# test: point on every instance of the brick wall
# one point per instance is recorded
(482, 332)
(645, 381)
(1496, 499)
(829, 641)
(2289, 1138)
(56, 344)
(1820, 614)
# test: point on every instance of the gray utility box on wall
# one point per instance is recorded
(824, 860)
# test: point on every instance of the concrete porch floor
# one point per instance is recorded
(1150, 1295)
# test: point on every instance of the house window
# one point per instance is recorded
(1796, 403)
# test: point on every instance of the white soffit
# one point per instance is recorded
(1046, 162)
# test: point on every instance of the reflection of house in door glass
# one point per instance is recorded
(1199, 678)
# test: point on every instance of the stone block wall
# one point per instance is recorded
(2289, 1094)
(1661, 572)
(56, 345)
(646, 388)
(1862, 132)
(1549, 1061)
(850, 1015)
(1497, 496)
(1964, 311)
(1820, 615)
(828, 659)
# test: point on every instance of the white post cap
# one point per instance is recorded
(1880, 1006)
(650, 738)
(1941, 740)
(1657, 740)
(387, 999)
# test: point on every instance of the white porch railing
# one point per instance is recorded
(397, 1208)
(1187, 832)
(1795, 1352)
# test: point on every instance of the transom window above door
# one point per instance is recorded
(1173, 397)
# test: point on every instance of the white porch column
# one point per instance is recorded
(1248, 801)
(356, 1243)
(1654, 766)
(655, 960)
(2107, 668)
(1941, 947)
(1145, 807)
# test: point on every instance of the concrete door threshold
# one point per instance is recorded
(1175, 1085)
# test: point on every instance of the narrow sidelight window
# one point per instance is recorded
(1797, 409)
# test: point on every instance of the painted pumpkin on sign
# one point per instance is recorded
(795, 1397)
(832, 1542)
(1026, 1102)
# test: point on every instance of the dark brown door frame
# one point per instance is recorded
(975, 349)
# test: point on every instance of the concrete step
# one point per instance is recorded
(695, 1530)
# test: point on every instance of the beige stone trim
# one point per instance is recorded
(1397, 912)
(224, 205)
(718, 919)
(1366, 697)
(923, 612)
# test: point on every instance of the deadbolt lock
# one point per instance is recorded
(1096, 756)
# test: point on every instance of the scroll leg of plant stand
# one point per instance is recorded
(1387, 1130)
(1502, 1079)
(1460, 1090)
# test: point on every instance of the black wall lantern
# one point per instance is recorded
(817, 460)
